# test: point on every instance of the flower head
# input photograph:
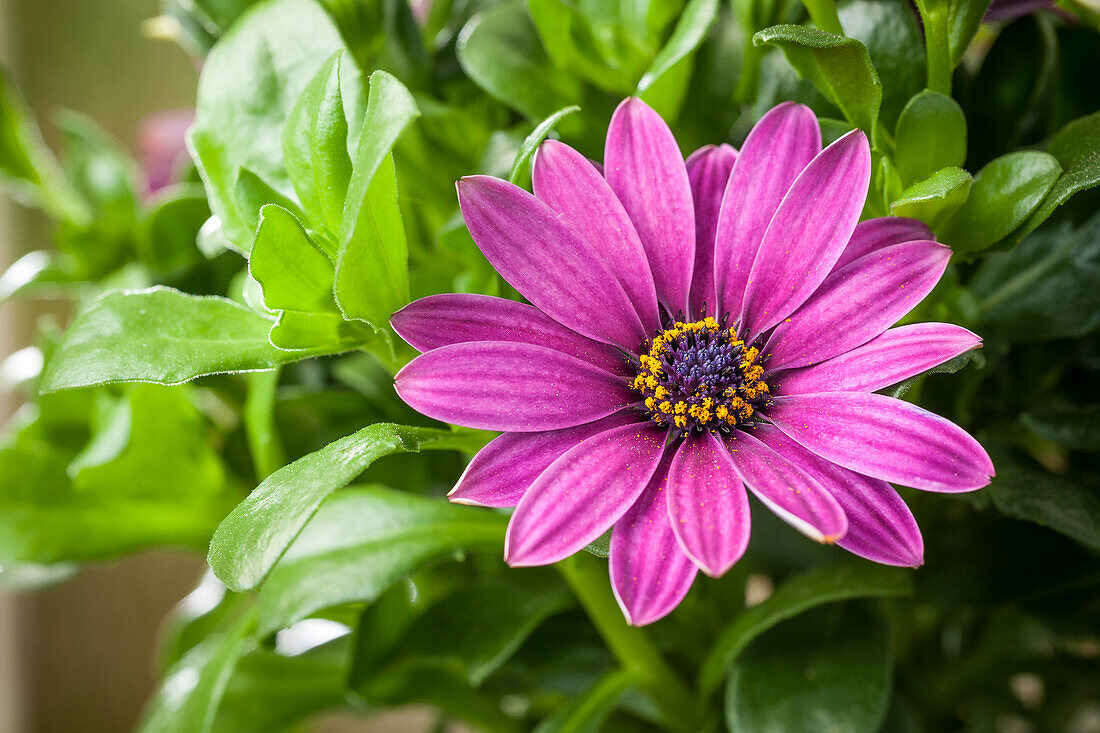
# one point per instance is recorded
(698, 330)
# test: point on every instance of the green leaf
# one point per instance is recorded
(188, 697)
(830, 670)
(500, 51)
(270, 691)
(892, 34)
(1030, 495)
(1044, 289)
(160, 335)
(372, 275)
(691, 29)
(256, 534)
(597, 52)
(1077, 148)
(372, 279)
(1005, 191)
(315, 147)
(930, 135)
(101, 171)
(814, 588)
(1067, 425)
(453, 633)
(44, 519)
(310, 332)
(360, 542)
(170, 227)
(531, 142)
(936, 198)
(293, 272)
(951, 366)
(28, 170)
(839, 67)
(250, 83)
(587, 711)
(965, 19)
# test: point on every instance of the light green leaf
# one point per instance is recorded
(839, 67)
(188, 697)
(296, 331)
(1005, 191)
(360, 542)
(315, 147)
(815, 588)
(691, 29)
(170, 227)
(372, 279)
(830, 670)
(372, 275)
(531, 142)
(293, 272)
(256, 534)
(930, 135)
(936, 198)
(965, 19)
(250, 82)
(160, 335)
(500, 51)
(596, 49)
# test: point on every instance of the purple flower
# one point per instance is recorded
(616, 413)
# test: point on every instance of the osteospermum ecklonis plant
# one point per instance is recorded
(697, 331)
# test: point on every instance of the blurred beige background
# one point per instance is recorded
(78, 657)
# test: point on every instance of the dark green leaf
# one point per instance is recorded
(160, 335)
(1044, 289)
(500, 51)
(587, 711)
(965, 18)
(1033, 495)
(931, 134)
(829, 670)
(360, 542)
(294, 273)
(256, 534)
(1077, 148)
(1004, 193)
(250, 82)
(531, 142)
(315, 146)
(1069, 425)
(839, 67)
(171, 225)
(815, 588)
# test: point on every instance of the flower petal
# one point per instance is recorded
(781, 144)
(650, 574)
(645, 169)
(810, 229)
(547, 262)
(708, 171)
(707, 504)
(455, 318)
(585, 491)
(880, 526)
(788, 491)
(874, 234)
(890, 358)
(857, 303)
(571, 186)
(498, 385)
(885, 438)
(500, 473)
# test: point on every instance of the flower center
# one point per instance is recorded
(700, 376)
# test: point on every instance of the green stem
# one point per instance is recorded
(635, 652)
(823, 14)
(937, 41)
(259, 423)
